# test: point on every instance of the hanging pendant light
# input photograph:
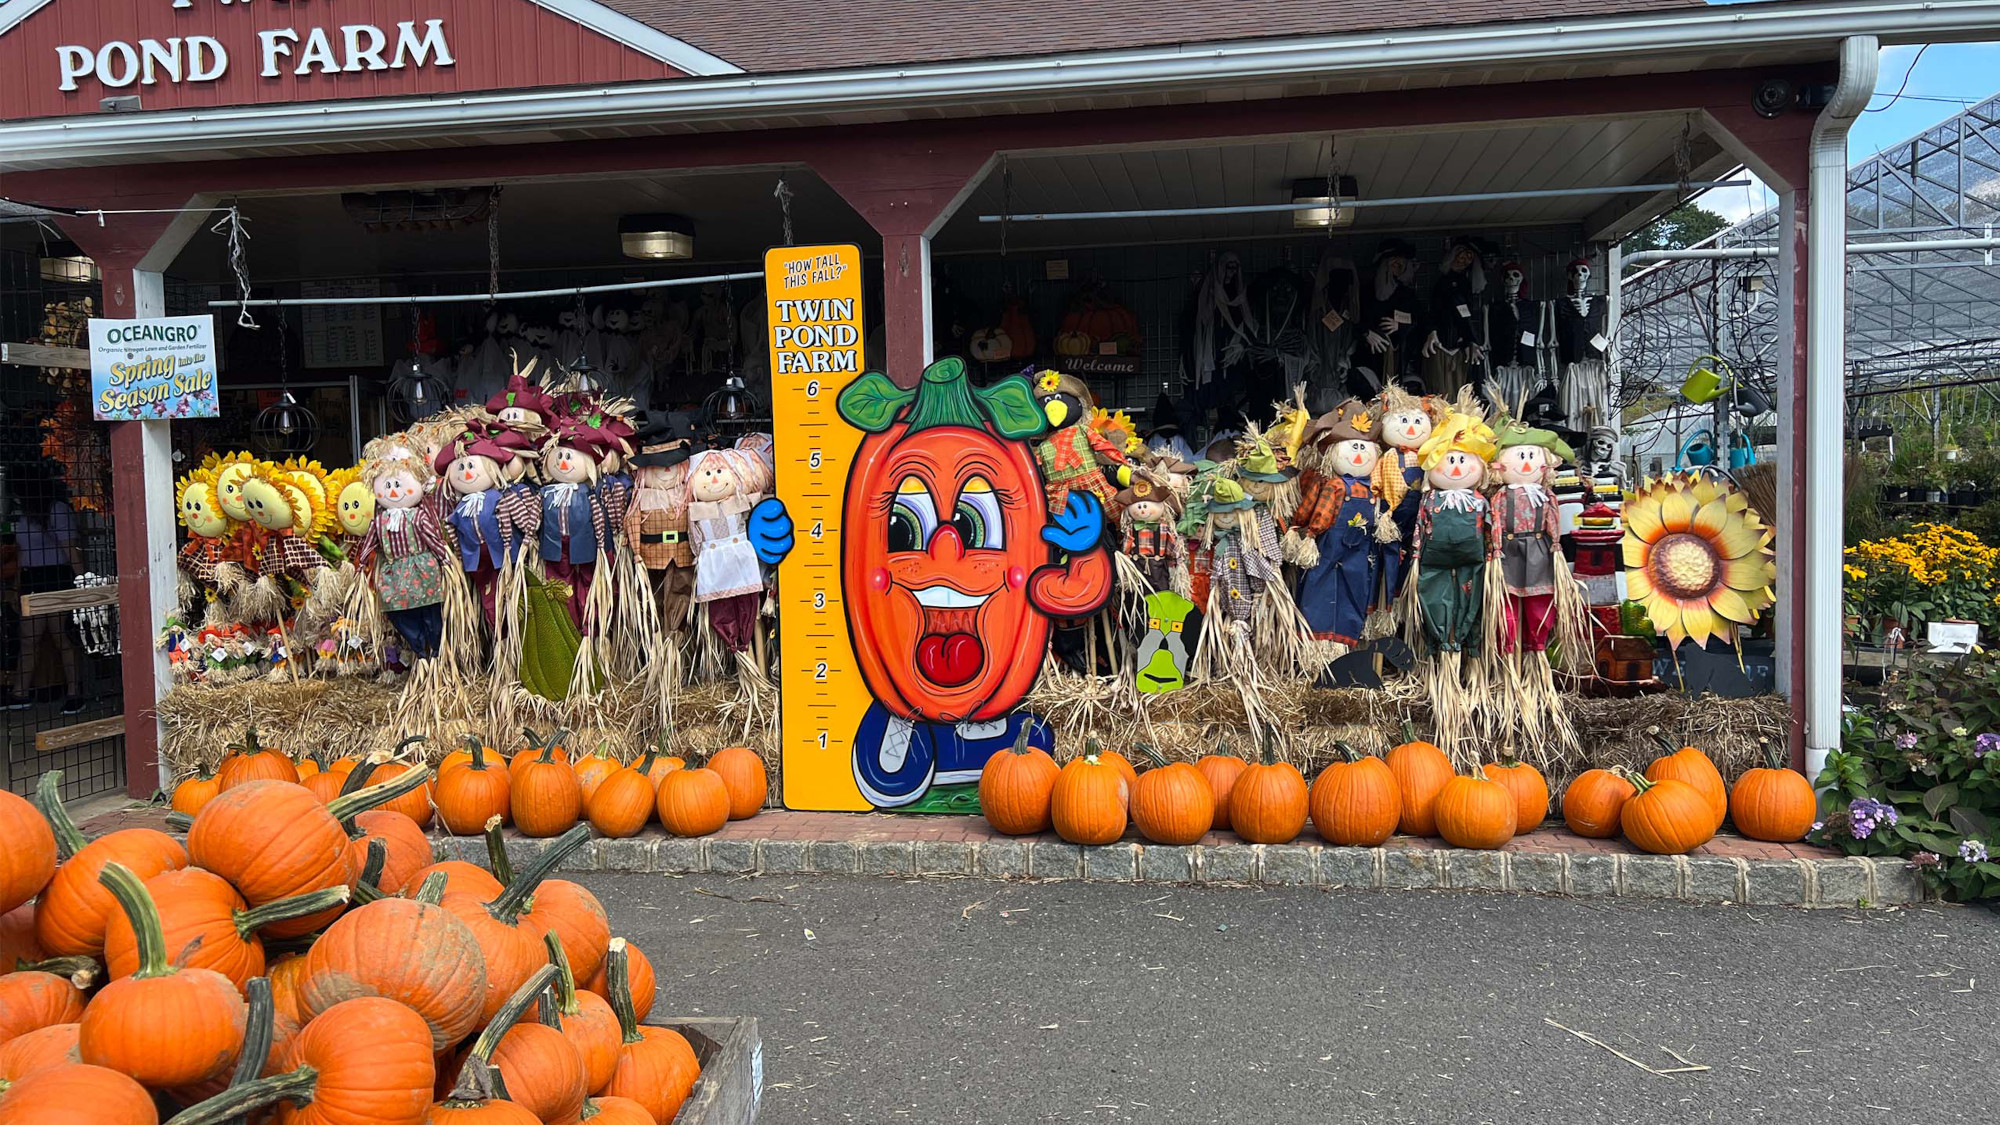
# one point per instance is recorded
(657, 238)
(1331, 213)
(416, 392)
(286, 427)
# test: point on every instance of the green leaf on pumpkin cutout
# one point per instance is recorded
(872, 402)
(1011, 404)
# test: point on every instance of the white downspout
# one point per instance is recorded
(1826, 393)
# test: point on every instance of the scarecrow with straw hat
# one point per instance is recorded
(1076, 455)
(1450, 545)
(1530, 594)
(1340, 527)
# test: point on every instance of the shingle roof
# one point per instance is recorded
(764, 36)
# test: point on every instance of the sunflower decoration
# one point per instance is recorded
(1115, 427)
(196, 507)
(231, 471)
(1697, 557)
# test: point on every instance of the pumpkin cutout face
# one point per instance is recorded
(354, 508)
(944, 518)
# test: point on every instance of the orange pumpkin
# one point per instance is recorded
(1667, 817)
(1475, 812)
(638, 977)
(1221, 770)
(1015, 787)
(163, 1025)
(248, 760)
(40, 1049)
(656, 1066)
(475, 1098)
(543, 1072)
(407, 849)
(472, 792)
(1689, 765)
(1268, 804)
(461, 877)
(742, 773)
(363, 1060)
(415, 804)
(545, 795)
(1773, 803)
(1421, 770)
(573, 914)
(591, 769)
(509, 927)
(28, 860)
(1118, 762)
(1593, 802)
(74, 910)
(196, 790)
(18, 945)
(533, 748)
(32, 1000)
(1172, 803)
(693, 802)
(329, 782)
(1088, 802)
(1530, 790)
(207, 925)
(1356, 803)
(655, 765)
(622, 804)
(585, 1019)
(77, 1095)
(614, 1111)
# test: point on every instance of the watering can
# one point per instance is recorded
(1703, 384)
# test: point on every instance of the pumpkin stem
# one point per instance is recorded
(477, 748)
(179, 821)
(250, 745)
(534, 741)
(507, 908)
(1090, 750)
(409, 780)
(431, 891)
(247, 1092)
(1771, 755)
(298, 906)
(1409, 731)
(1269, 755)
(1021, 739)
(407, 742)
(565, 989)
(645, 761)
(478, 1079)
(144, 916)
(81, 971)
(1347, 750)
(257, 1032)
(1660, 737)
(48, 798)
(546, 1013)
(618, 983)
(1146, 748)
(368, 885)
(496, 853)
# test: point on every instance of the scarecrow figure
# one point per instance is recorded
(1340, 523)
(1453, 344)
(723, 485)
(1151, 549)
(405, 553)
(582, 504)
(492, 513)
(214, 560)
(1450, 546)
(1529, 591)
(1407, 422)
(656, 521)
(1074, 455)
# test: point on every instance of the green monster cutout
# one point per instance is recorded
(1163, 655)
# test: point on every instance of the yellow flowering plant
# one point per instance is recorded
(1933, 572)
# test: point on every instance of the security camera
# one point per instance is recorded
(1772, 97)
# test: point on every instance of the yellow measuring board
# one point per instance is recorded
(813, 308)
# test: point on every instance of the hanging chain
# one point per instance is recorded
(1332, 180)
(1684, 158)
(784, 194)
(729, 321)
(231, 227)
(493, 244)
(1006, 202)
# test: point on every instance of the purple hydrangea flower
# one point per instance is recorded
(1972, 851)
(1906, 742)
(1985, 744)
(1866, 814)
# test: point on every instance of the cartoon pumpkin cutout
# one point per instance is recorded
(951, 568)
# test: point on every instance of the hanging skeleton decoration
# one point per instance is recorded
(1516, 334)
(1453, 345)
(1585, 394)
(1390, 333)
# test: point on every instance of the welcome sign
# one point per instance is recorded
(152, 370)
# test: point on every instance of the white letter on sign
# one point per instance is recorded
(126, 55)
(206, 58)
(161, 58)
(318, 53)
(357, 54)
(430, 45)
(75, 63)
(277, 42)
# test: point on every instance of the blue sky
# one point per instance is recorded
(1955, 71)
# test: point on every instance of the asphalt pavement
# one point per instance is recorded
(976, 1001)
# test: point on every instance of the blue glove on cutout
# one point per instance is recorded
(771, 530)
(1078, 526)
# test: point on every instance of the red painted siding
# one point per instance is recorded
(495, 44)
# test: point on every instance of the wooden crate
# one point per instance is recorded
(731, 1086)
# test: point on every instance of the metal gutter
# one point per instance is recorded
(1826, 388)
(1703, 31)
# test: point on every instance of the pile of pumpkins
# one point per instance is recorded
(302, 961)
(538, 789)
(1677, 805)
